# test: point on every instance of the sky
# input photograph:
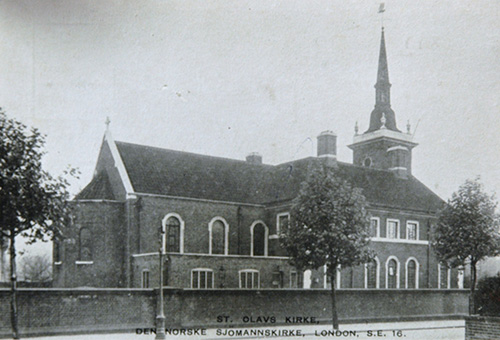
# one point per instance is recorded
(226, 78)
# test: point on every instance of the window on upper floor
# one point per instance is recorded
(282, 222)
(202, 278)
(172, 234)
(259, 239)
(218, 234)
(412, 230)
(392, 229)
(375, 227)
(85, 245)
(145, 279)
(249, 279)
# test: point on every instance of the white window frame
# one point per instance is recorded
(247, 271)
(145, 271)
(398, 227)
(226, 234)
(338, 278)
(377, 278)
(287, 214)
(198, 271)
(266, 237)
(417, 231)
(411, 258)
(448, 276)
(181, 233)
(377, 234)
(387, 271)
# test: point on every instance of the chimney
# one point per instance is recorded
(327, 144)
(254, 158)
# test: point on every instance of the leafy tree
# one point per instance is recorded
(329, 226)
(33, 204)
(467, 229)
(36, 268)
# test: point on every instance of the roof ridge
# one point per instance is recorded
(195, 154)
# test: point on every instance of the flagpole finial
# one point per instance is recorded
(381, 10)
(107, 122)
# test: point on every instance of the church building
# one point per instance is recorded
(218, 220)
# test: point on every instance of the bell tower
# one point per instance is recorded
(383, 145)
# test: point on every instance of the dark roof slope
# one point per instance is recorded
(175, 173)
(98, 188)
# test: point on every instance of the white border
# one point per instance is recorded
(199, 270)
(398, 228)
(266, 237)
(387, 271)
(226, 234)
(417, 232)
(181, 236)
(417, 266)
(377, 278)
(253, 283)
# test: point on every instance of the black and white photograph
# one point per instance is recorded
(225, 169)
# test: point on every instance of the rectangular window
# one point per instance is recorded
(392, 229)
(296, 280)
(375, 227)
(145, 279)
(412, 230)
(202, 278)
(249, 279)
(282, 222)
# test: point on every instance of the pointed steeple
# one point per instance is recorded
(382, 110)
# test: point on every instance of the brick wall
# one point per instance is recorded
(50, 311)
(482, 328)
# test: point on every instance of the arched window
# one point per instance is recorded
(218, 230)
(392, 272)
(259, 234)
(85, 245)
(372, 272)
(411, 273)
(173, 227)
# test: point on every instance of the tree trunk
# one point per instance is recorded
(13, 280)
(472, 304)
(335, 320)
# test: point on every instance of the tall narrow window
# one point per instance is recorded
(145, 279)
(371, 274)
(85, 245)
(443, 276)
(392, 229)
(249, 279)
(202, 278)
(218, 237)
(296, 279)
(259, 239)
(411, 274)
(282, 223)
(412, 230)
(173, 229)
(392, 273)
(375, 227)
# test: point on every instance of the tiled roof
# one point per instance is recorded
(98, 188)
(174, 173)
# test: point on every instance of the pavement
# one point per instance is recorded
(418, 330)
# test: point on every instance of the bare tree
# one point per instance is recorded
(36, 268)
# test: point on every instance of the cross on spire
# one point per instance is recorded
(107, 122)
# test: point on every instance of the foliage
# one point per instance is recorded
(32, 202)
(329, 223)
(467, 229)
(487, 296)
(329, 226)
(36, 268)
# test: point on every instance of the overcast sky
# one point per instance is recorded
(227, 78)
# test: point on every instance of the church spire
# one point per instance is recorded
(382, 94)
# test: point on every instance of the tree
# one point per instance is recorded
(33, 204)
(36, 268)
(328, 226)
(467, 230)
